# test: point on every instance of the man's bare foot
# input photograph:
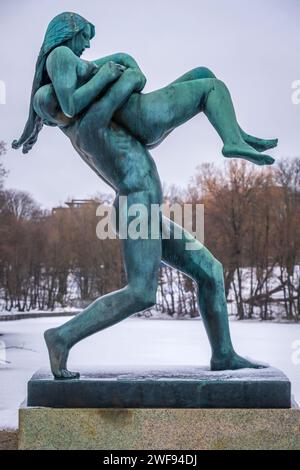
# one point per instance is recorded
(233, 362)
(58, 354)
(245, 151)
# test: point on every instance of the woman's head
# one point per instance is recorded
(68, 29)
(81, 40)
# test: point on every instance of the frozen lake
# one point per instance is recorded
(137, 342)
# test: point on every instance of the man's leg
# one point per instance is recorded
(207, 272)
(142, 259)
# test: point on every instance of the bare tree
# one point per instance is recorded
(20, 204)
(3, 172)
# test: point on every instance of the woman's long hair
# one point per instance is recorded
(62, 28)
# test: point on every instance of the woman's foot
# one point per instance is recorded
(261, 145)
(233, 361)
(58, 354)
(245, 151)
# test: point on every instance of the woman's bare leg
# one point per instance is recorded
(207, 272)
(152, 116)
(198, 73)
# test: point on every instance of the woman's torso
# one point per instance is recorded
(113, 153)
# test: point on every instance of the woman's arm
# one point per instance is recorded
(127, 61)
(62, 70)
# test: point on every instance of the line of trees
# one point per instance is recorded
(50, 259)
(252, 219)
(252, 225)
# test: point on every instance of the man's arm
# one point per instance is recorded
(117, 95)
(123, 59)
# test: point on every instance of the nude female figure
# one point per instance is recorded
(98, 107)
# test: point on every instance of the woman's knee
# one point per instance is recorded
(220, 85)
(211, 85)
(203, 72)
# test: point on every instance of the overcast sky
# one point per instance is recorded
(254, 46)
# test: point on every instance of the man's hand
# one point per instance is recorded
(128, 62)
(142, 80)
(133, 74)
(130, 81)
(137, 77)
(113, 69)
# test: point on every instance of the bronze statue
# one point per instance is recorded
(100, 107)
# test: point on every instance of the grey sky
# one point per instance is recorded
(254, 46)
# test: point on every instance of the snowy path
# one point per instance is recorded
(135, 342)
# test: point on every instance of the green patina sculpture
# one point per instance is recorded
(99, 106)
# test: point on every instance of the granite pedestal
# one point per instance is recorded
(187, 408)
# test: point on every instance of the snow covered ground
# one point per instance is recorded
(137, 342)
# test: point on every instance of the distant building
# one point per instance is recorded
(75, 204)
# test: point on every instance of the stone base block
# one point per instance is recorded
(158, 429)
(185, 387)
